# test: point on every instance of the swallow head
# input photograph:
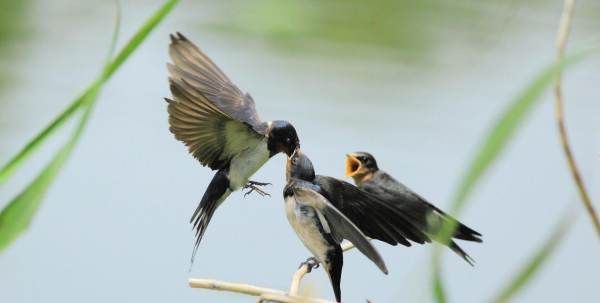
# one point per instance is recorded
(282, 137)
(300, 167)
(360, 165)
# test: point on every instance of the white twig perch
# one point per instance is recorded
(266, 294)
(263, 294)
(298, 275)
(241, 288)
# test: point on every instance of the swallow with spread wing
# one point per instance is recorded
(319, 224)
(220, 126)
(362, 167)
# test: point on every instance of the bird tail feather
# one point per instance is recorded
(216, 192)
(334, 271)
(459, 251)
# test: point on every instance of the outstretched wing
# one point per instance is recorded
(423, 214)
(208, 112)
(333, 221)
(378, 219)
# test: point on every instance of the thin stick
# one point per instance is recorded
(289, 299)
(303, 270)
(246, 289)
(264, 294)
(298, 275)
(561, 44)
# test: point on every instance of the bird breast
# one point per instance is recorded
(246, 163)
(305, 222)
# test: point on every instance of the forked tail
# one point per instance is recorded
(216, 192)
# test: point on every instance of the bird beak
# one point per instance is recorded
(297, 150)
(352, 165)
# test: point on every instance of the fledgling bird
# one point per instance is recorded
(319, 224)
(362, 167)
(220, 126)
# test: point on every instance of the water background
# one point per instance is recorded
(418, 85)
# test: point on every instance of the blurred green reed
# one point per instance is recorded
(18, 214)
(536, 262)
(493, 144)
(385, 24)
(13, 28)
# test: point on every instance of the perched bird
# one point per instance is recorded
(362, 167)
(220, 126)
(319, 224)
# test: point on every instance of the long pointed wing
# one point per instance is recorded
(208, 112)
(423, 214)
(377, 218)
(338, 223)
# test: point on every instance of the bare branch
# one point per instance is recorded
(298, 275)
(266, 294)
(263, 294)
(246, 289)
(289, 299)
(561, 41)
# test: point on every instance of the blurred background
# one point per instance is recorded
(417, 83)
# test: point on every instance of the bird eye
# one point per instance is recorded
(288, 139)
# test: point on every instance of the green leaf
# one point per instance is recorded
(138, 38)
(503, 130)
(541, 256)
(438, 286)
(492, 146)
(9, 168)
(16, 217)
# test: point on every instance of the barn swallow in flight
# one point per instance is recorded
(220, 126)
(362, 167)
(319, 223)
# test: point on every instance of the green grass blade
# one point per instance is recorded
(9, 168)
(138, 38)
(505, 127)
(493, 144)
(16, 217)
(115, 34)
(541, 256)
(439, 293)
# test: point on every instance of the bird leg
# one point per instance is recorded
(254, 186)
(310, 263)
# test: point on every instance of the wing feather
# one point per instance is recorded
(195, 68)
(338, 223)
(207, 112)
(377, 218)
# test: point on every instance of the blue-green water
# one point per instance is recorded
(114, 227)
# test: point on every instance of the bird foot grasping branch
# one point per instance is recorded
(310, 263)
(254, 186)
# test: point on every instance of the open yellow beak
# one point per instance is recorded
(352, 165)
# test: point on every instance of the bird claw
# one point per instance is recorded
(311, 263)
(250, 182)
(254, 186)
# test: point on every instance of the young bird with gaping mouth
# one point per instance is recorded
(362, 167)
(220, 126)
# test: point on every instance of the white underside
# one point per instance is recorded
(245, 164)
(304, 221)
